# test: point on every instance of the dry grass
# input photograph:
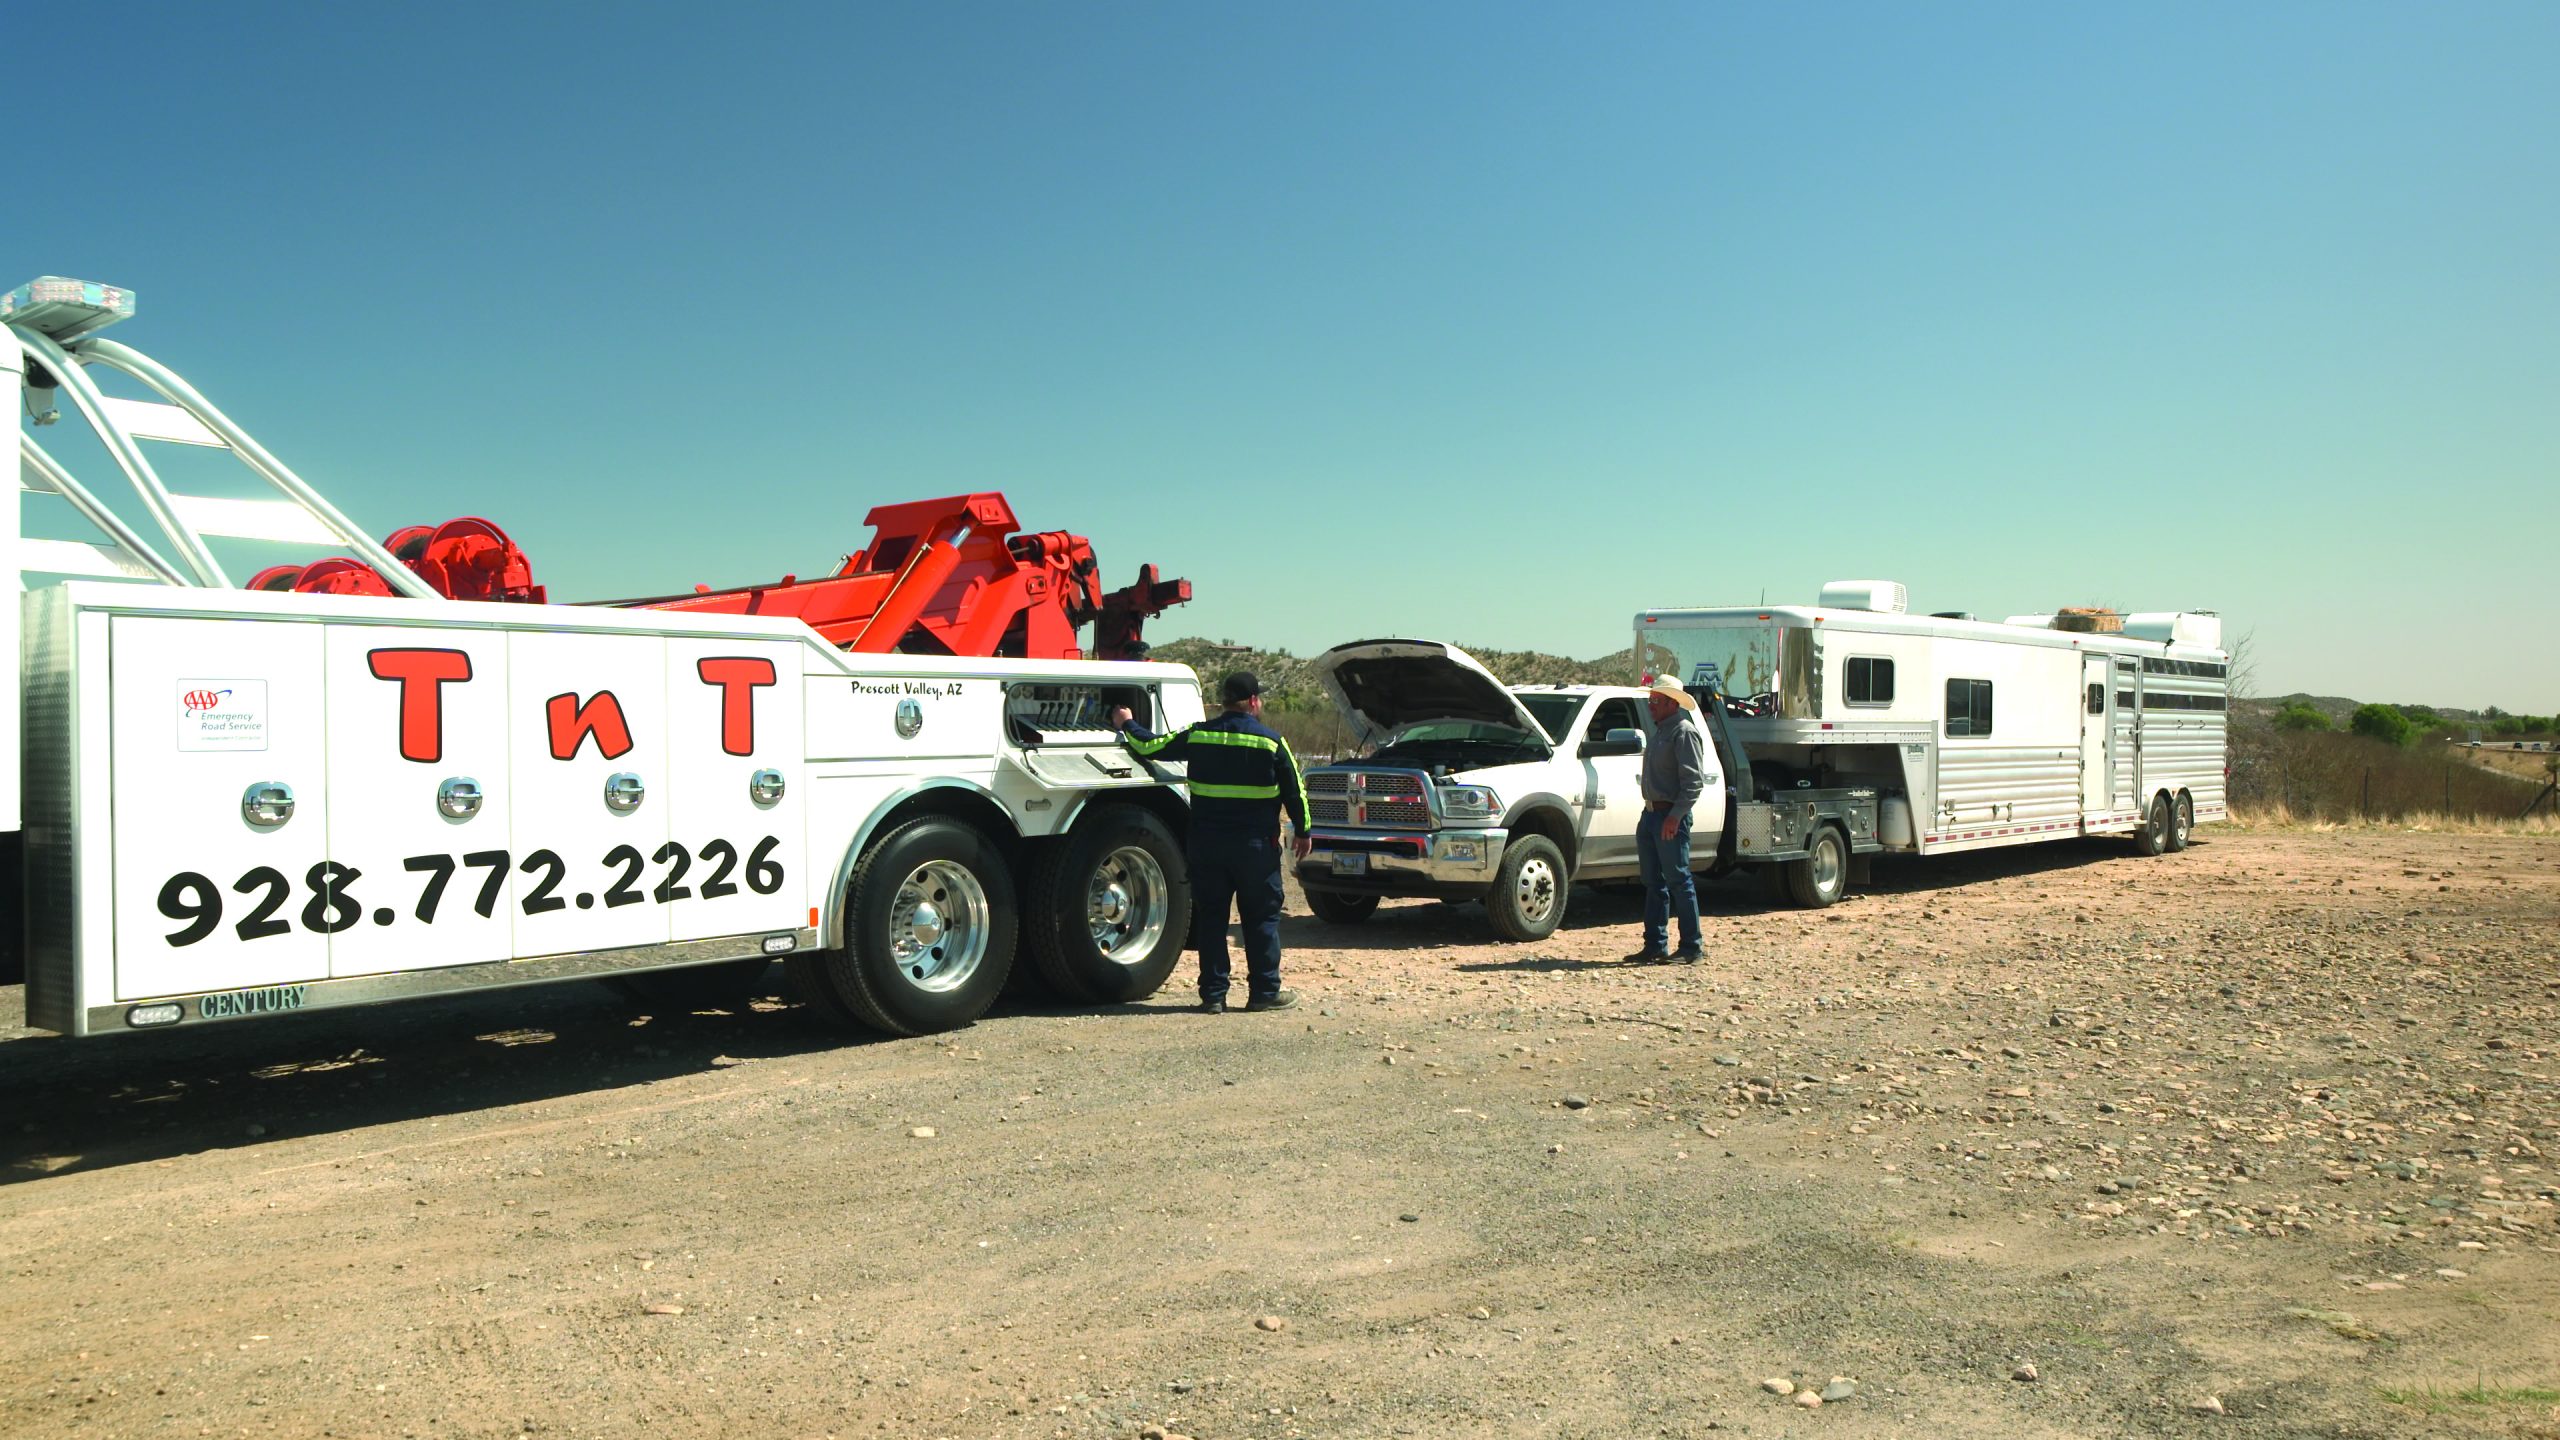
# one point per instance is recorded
(2276, 815)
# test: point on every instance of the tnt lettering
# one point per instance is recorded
(422, 674)
(738, 678)
(572, 721)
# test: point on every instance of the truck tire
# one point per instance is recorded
(929, 933)
(2151, 837)
(1773, 878)
(1335, 908)
(1106, 912)
(2182, 822)
(727, 985)
(1527, 898)
(1819, 879)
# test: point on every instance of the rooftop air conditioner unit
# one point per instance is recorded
(1883, 596)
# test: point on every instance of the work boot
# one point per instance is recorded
(1213, 1007)
(1688, 955)
(1646, 956)
(1276, 1000)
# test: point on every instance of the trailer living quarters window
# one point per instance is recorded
(1759, 660)
(1968, 709)
(1869, 681)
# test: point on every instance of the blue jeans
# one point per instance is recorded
(1663, 866)
(1242, 870)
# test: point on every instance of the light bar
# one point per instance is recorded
(65, 309)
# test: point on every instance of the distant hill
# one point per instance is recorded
(2339, 708)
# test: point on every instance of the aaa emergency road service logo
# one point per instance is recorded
(222, 714)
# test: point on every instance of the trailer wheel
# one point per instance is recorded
(2152, 838)
(1822, 876)
(727, 985)
(1109, 909)
(2182, 822)
(1334, 908)
(928, 935)
(1527, 898)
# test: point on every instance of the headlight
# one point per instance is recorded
(1469, 802)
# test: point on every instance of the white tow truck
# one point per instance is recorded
(243, 802)
(1838, 731)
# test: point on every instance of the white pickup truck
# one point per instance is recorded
(1475, 790)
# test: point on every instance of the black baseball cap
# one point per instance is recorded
(1242, 685)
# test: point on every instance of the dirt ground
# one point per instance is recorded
(2257, 1140)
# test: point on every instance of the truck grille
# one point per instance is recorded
(1392, 799)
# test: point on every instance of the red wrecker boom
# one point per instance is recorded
(940, 577)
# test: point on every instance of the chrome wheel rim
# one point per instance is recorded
(1826, 865)
(2186, 822)
(1535, 891)
(2158, 823)
(1127, 905)
(938, 926)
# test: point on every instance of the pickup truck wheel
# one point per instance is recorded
(2153, 836)
(1773, 878)
(1338, 909)
(2182, 822)
(724, 986)
(1109, 909)
(929, 933)
(1822, 876)
(1527, 898)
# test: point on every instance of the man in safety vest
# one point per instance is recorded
(1241, 777)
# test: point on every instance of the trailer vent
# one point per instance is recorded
(1886, 597)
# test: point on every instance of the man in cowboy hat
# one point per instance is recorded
(1675, 775)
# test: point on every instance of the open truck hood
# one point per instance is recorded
(1388, 686)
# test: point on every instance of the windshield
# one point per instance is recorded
(1444, 730)
(1554, 713)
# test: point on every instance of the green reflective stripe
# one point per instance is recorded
(1148, 747)
(1206, 791)
(1297, 786)
(1205, 736)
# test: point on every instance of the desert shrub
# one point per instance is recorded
(2331, 778)
(2383, 723)
(2298, 716)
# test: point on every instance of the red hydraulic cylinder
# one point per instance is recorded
(918, 581)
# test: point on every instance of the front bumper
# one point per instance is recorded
(1392, 862)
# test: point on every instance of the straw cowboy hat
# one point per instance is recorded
(1670, 689)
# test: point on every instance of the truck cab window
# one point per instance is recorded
(1614, 715)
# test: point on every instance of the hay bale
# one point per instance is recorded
(2088, 620)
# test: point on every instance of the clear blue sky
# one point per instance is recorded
(1491, 322)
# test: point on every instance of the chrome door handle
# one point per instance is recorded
(267, 804)
(459, 798)
(623, 792)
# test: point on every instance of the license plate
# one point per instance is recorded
(1350, 864)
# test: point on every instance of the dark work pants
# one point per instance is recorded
(1244, 868)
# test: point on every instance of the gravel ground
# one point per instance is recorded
(2056, 1142)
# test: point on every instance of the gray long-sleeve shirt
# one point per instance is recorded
(1675, 764)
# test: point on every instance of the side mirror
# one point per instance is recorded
(1616, 742)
